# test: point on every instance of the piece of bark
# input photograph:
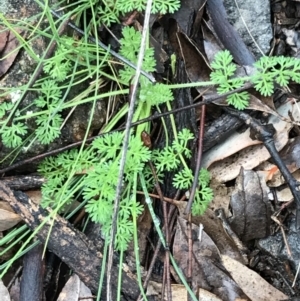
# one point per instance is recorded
(27, 182)
(71, 245)
(31, 287)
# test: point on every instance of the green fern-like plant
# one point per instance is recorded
(98, 170)
(149, 94)
(268, 72)
(110, 10)
(96, 175)
(170, 158)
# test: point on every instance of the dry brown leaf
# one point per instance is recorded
(3, 39)
(196, 64)
(238, 141)
(211, 45)
(207, 271)
(284, 195)
(9, 53)
(179, 293)
(35, 195)
(208, 296)
(253, 285)
(259, 105)
(230, 146)
(8, 218)
(213, 227)
(228, 169)
(250, 206)
(14, 291)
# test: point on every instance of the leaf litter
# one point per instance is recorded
(245, 204)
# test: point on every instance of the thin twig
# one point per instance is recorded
(167, 234)
(279, 223)
(168, 200)
(132, 99)
(190, 253)
(156, 251)
(198, 164)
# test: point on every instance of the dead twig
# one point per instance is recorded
(69, 244)
(198, 164)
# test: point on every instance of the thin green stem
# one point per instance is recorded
(161, 236)
(135, 239)
(103, 266)
(119, 290)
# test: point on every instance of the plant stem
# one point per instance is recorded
(132, 98)
(198, 164)
(161, 236)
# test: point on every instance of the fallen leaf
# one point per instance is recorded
(247, 153)
(229, 168)
(205, 295)
(238, 141)
(251, 209)
(35, 195)
(253, 285)
(8, 218)
(211, 45)
(3, 39)
(9, 52)
(257, 104)
(285, 194)
(213, 227)
(207, 270)
(14, 291)
(196, 64)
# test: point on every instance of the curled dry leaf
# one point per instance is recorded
(253, 285)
